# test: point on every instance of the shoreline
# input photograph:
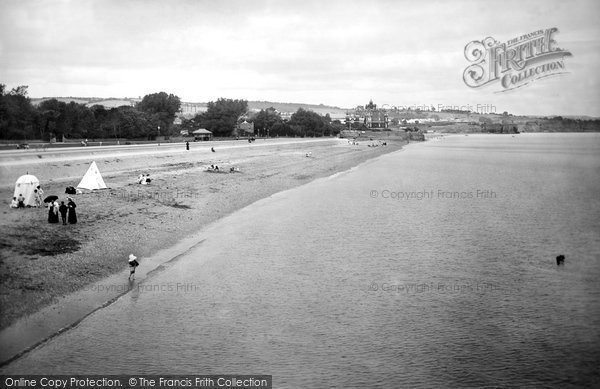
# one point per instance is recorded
(158, 229)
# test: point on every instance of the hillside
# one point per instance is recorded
(192, 108)
(453, 121)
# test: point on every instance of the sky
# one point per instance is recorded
(340, 53)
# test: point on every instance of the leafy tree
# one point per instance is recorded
(336, 127)
(52, 118)
(163, 107)
(78, 120)
(222, 116)
(191, 125)
(281, 129)
(266, 119)
(17, 115)
(135, 124)
(307, 123)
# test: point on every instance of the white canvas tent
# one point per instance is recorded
(25, 186)
(92, 179)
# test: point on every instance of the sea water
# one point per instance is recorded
(433, 266)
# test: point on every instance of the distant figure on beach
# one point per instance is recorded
(36, 198)
(187, 145)
(53, 212)
(212, 167)
(560, 260)
(212, 149)
(133, 263)
(72, 218)
(144, 179)
(63, 212)
(20, 201)
(216, 168)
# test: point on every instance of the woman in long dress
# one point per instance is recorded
(53, 212)
(72, 218)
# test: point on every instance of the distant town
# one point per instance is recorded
(441, 118)
(164, 117)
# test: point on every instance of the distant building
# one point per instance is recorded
(370, 116)
(376, 119)
(202, 134)
(192, 109)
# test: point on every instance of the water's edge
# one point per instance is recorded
(32, 331)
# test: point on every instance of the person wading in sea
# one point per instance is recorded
(133, 263)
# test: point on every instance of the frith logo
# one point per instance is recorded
(516, 62)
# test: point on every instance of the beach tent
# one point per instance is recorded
(92, 179)
(25, 186)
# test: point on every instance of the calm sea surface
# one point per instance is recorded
(430, 267)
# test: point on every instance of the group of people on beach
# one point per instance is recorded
(19, 201)
(215, 168)
(39, 196)
(67, 212)
(144, 179)
(380, 143)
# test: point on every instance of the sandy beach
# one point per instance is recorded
(42, 264)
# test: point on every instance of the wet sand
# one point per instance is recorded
(54, 275)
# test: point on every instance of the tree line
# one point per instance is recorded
(21, 120)
(224, 116)
(153, 116)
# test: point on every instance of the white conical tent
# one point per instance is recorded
(92, 179)
(26, 186)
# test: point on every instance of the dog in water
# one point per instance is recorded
(560, 260)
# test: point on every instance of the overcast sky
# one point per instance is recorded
(340, 53)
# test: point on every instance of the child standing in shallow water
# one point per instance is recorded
(133, 263)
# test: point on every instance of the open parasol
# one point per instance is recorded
(50, 198)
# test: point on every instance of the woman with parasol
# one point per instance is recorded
(52, 211)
